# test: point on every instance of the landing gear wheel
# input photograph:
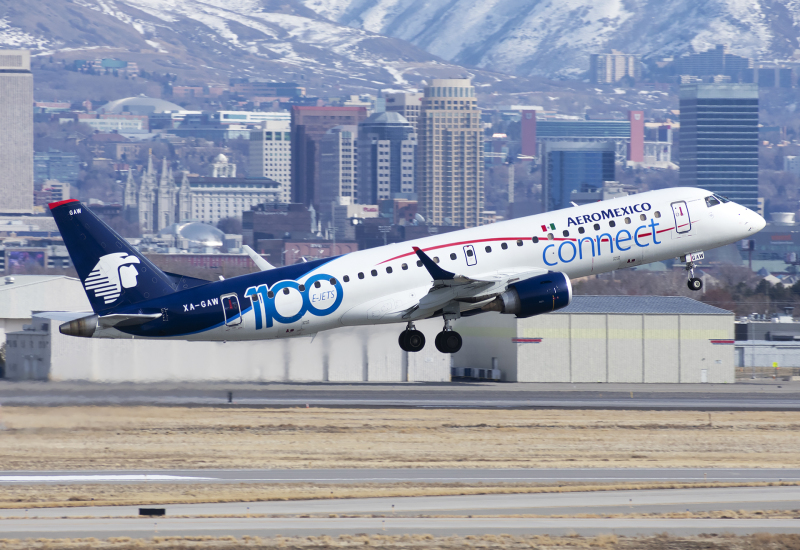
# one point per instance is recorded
(448, 341)
(411, 340)
(695, 283)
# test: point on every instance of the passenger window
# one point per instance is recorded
(360, 275)
(581, 230)
(656, 214)
(346, 278)
(470, 253)
(419, 263)
(388, 270)
(566, 233)
(317, 284)
(452, 255)
(504, 246)
(270, 294)
(712, 201)
(612, 223)
(436, 259)
(549, 236)
(404, 266)
(535, 239)
(301, 288)
(627, 220)
(374, 272)
(286, 290)
(332, 281)
(488, 249)
(643, 217)
(597, 227)
(519, 242)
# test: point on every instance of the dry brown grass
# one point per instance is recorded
(75, 438)
(761, 541)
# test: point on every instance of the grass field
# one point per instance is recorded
(76, 438)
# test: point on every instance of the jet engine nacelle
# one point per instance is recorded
(534, 296)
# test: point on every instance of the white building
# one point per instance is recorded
(338, 167)
(271, 155)
(249, 117)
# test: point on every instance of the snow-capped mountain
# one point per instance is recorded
(553, 37)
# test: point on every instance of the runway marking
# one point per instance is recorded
(120, 477)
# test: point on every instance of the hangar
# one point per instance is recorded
(634, 339)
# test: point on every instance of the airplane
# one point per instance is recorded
(521, 267)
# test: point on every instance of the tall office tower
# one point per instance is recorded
(338, 168)
(16, 137)
(309, 124)
(271, 155)
(716, 62)
(607, 68)
(387, 145)
(578, 167)
(528, 134)
(719, 140)
(407, 104)
(449, 180)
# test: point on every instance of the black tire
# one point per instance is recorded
(695, 284)
(403, 340)
(448, 341)
(415, 341)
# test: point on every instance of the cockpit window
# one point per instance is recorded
(722, 199)
(712, 201)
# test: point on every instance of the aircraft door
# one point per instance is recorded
(683, 224)
(469, 254)
(231, 309)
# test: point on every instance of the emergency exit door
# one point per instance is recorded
(230, 306)
(683, 224)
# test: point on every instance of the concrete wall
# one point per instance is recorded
(581, 347)
(345, 355)
(762, 353)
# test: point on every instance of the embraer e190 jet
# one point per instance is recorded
(519, 267)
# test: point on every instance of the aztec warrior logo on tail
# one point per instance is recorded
(111, 274)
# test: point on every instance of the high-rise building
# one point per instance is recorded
(716, 62)
(338, 168)
(574, 167)
(718, 148)
(309, 124)
(608, 68)
(449, 180)
(271, 155)
(56, 165)
(16, 135)
(407, 104)
(387, 145)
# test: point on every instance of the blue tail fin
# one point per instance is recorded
(113, 274)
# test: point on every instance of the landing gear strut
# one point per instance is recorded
(694, 283)
(411, 339)
(448, 341)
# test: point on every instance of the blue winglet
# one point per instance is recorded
(436, 272)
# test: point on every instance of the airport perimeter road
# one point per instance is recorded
(418, 475)
(761, 396)
(543, 504)
(239, 527)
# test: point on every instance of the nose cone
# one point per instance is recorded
(756, 222)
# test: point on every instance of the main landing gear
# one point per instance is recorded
(448, 341)
(694, 283)
(411, 339)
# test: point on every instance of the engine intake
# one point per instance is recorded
(534, 296)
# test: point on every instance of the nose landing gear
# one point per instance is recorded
(411, 339)
(448, 341)
(694, 283)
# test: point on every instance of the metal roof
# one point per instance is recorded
(648, 305)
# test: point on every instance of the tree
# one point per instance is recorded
(232, 226)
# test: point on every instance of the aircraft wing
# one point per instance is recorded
(449, 287)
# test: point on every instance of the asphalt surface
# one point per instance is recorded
(418, 475)
(761, 396)
(400, 515)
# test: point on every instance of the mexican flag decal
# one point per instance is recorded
(550, 227)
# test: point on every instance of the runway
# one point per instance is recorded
(762, 396)
(402, 515)
(418, 475)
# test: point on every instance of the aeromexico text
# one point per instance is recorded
(571, 249)
(610, 213)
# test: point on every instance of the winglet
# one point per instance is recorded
(260, 262)
(436, 272)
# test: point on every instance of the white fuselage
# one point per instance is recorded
(381, 285)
